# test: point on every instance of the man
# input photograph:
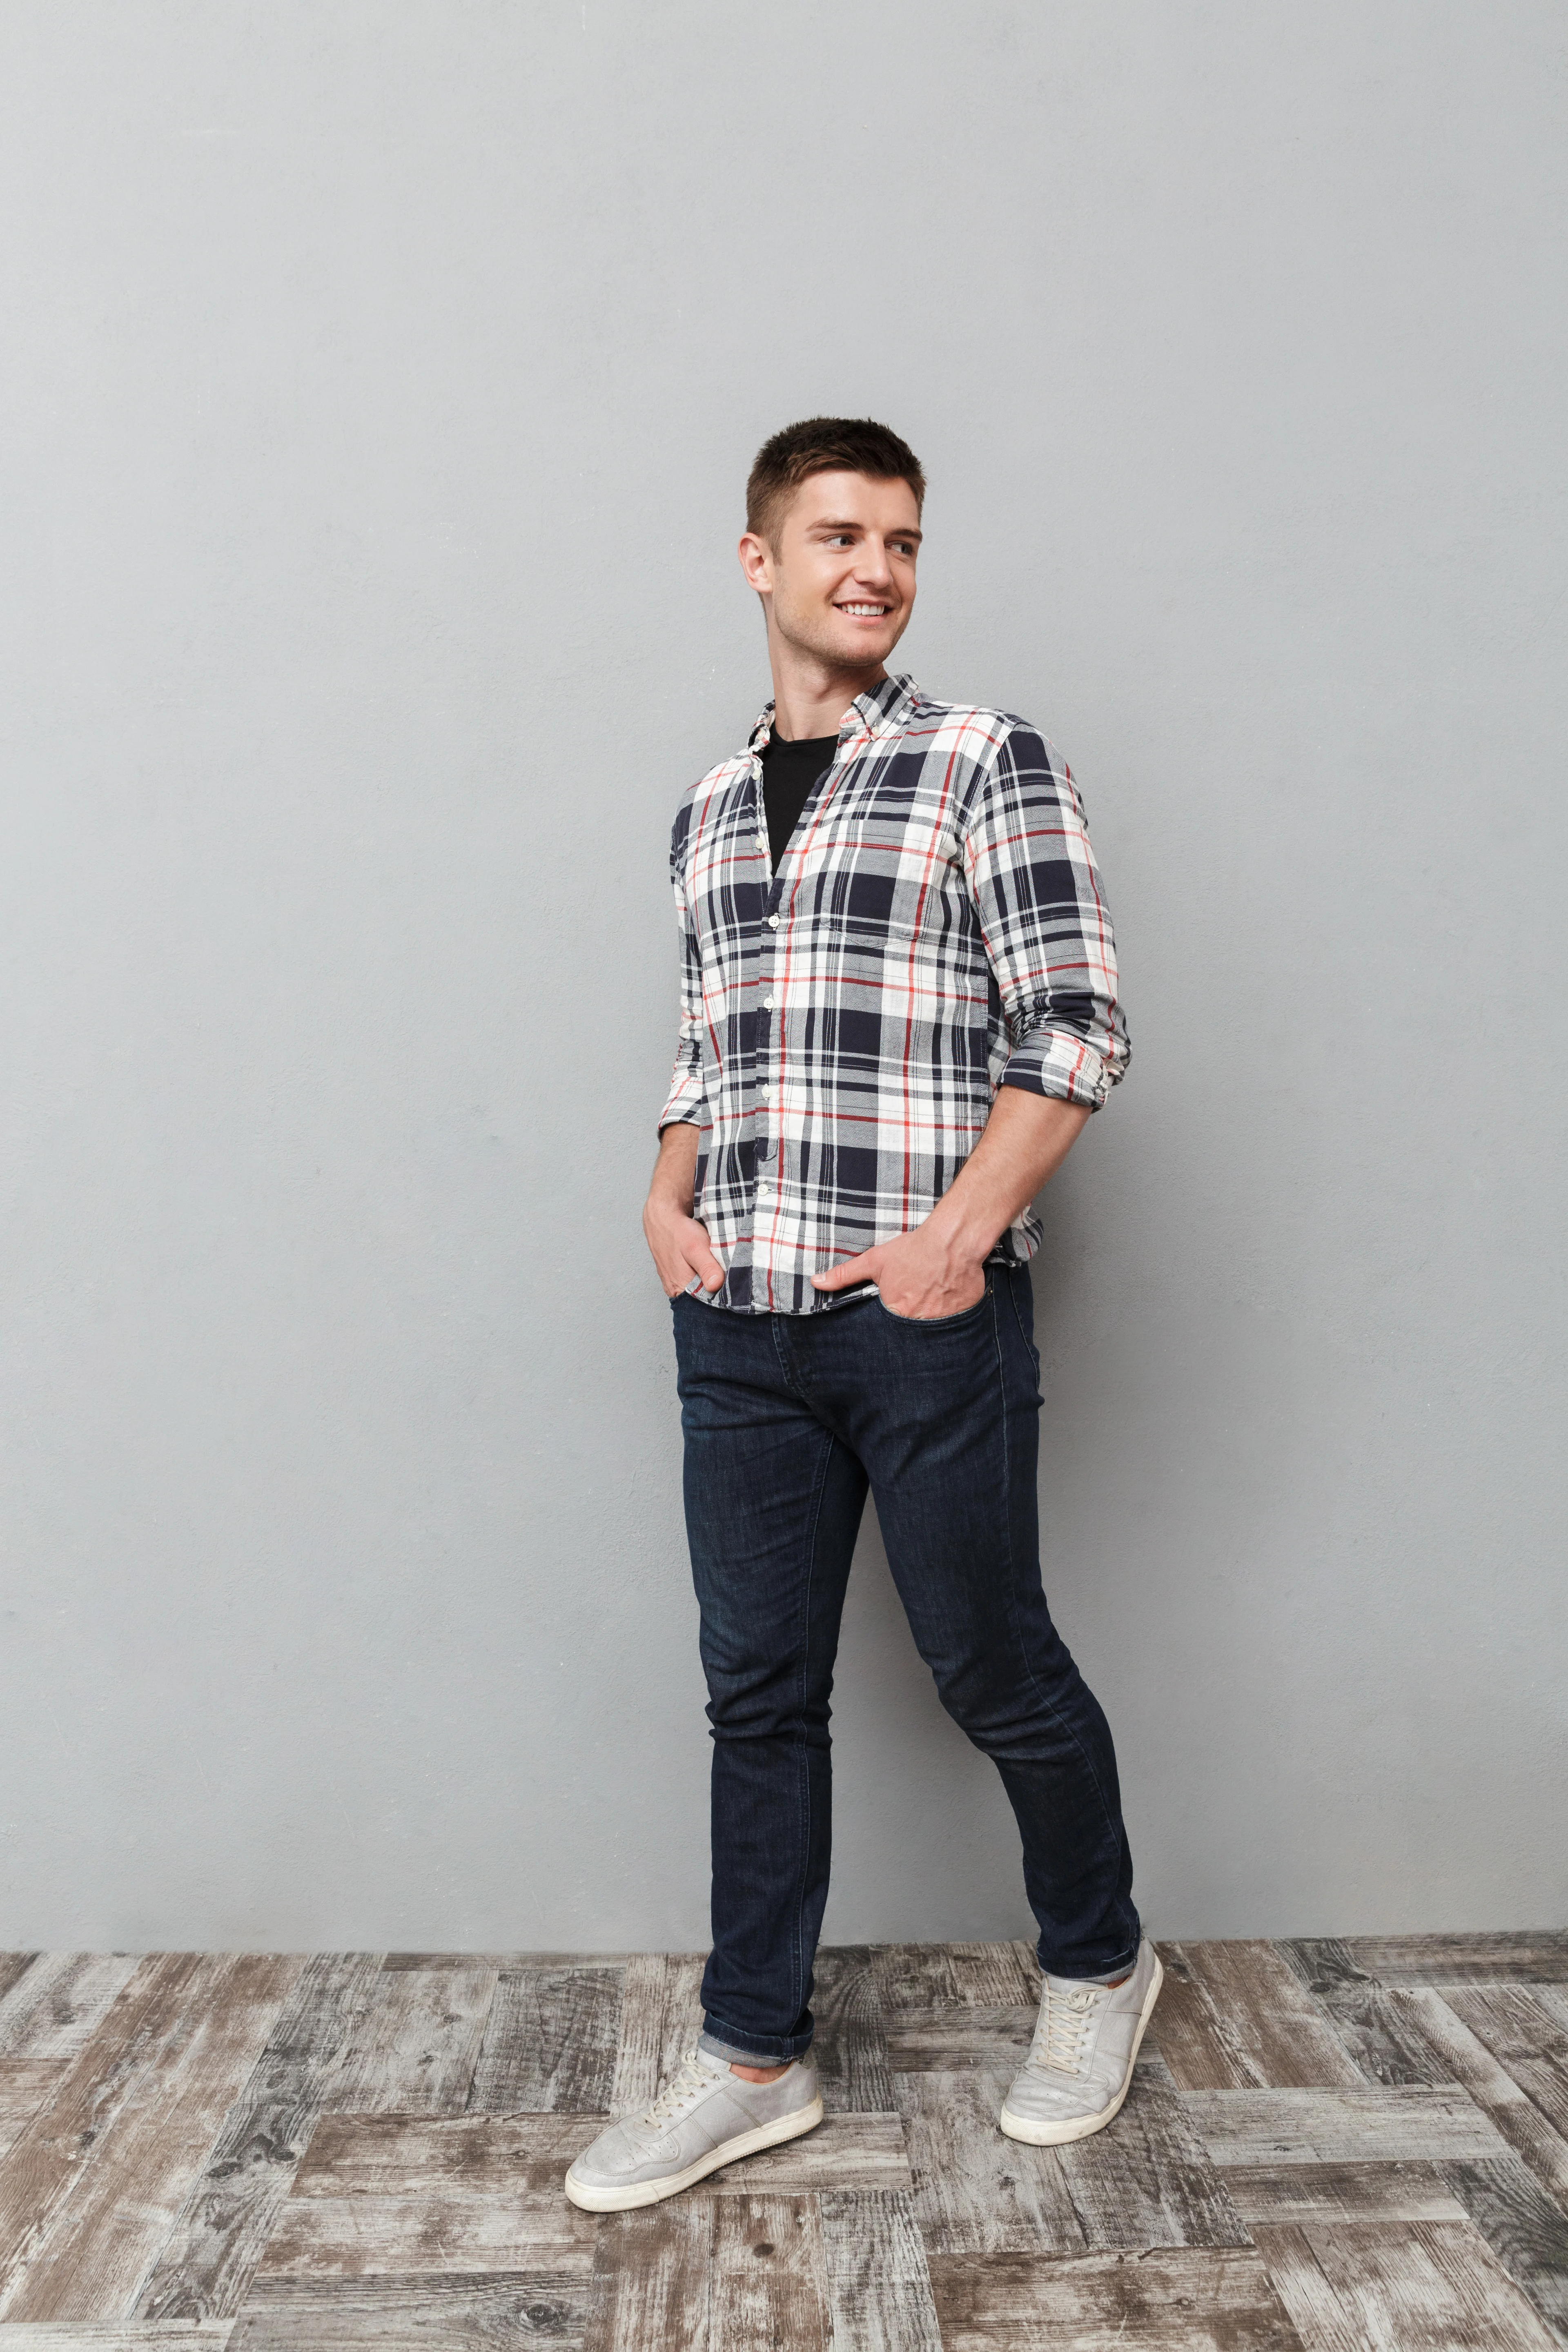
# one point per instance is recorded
(898, 1010)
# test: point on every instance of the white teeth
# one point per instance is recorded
(874, 611)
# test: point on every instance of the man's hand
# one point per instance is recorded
(940, 1268)
(919, 1275)
(681, 1247)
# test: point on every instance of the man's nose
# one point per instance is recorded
(873, 566)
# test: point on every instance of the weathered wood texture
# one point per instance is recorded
(738, 2272)
(550, 2041)
(95, 2183)
(1329, 2146)
(1236, 2017)
(53, 2006)
(1420, 2286)
(1192, 2300)
(661, 2017)
(25, 2084)
(391, 2156)
(415, 2047)
(210, 2256)
(1341, 2126)
(477, 2311)
(878, 2285)
(89, 2336)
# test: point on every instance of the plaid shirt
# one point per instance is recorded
(935, 930)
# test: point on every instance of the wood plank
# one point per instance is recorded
(850, 2006)
(863, 1992)
(727, 2276)
(55, 2007)
(414, 2050)
(1383, 2031)
(1429, 2286)
(650, 2280)
(465, 2312)
(503, 1963)
(767, 2284)
(945, 2041)
(203, 2271)
(1320, 2318)
(1235, 2016)
(1335, 2126)
(1417, 2029)
(975, 2190)
(103, 2234)
(1286, 2195)
(144, 2031)
(25, 2084)
(1526, 2030)
(550, 2041)
(396, 2156)
(1187, 2299)
(1148, 2181)
(1526, 2229)
(391, 2156)
(1531, 1955)
(447, 2227)
(995, 1976)
(14, 1965)
(877, 2286)
(88, 2336)
(661, 2017)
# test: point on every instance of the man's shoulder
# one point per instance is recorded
(976, 732)
(720, 779)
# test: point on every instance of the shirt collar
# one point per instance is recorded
(881, 710)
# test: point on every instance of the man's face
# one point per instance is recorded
(840, 575)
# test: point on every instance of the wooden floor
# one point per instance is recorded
(1327, 2146)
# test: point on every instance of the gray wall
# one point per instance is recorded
(384, 378)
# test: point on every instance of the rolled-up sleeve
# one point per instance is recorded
(686, 1099)
(1047, 928)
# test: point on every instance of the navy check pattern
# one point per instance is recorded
(935, 930)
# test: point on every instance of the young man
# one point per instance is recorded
(898, 1008)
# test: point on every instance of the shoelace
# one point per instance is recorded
(690, 2079)
(1063, 2027)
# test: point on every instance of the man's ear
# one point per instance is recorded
(757, 563)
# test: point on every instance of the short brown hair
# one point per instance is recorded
(824, 444)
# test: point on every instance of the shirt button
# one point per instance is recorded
(762, 841)
(772, 922)
(762, 1191)
(765, 1092)
(767, 1004)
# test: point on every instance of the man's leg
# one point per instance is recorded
(945, 1417)
(773, 1506)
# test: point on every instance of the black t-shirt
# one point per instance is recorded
(789, 772)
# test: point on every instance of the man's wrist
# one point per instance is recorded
(966, 1240)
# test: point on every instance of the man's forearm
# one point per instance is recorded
(674, 1175)
(1027, 1138)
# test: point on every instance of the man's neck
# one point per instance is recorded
(810, 699)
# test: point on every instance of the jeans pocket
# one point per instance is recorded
(938, 1322)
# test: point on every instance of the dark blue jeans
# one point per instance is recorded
(788, 1420)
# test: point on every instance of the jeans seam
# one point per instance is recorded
(797, 1985)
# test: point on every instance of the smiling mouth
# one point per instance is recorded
(865, 611)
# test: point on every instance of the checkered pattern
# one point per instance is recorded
(935, 930)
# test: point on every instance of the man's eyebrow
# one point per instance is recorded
(848, 522)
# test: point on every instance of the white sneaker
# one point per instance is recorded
(1079, 2065)
(705, 2117)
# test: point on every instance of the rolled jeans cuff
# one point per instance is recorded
(782, 2055)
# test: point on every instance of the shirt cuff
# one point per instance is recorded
(687, 1102)
(1055, 1062)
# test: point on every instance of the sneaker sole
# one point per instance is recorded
(1039, 2135)
(650, 2192)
